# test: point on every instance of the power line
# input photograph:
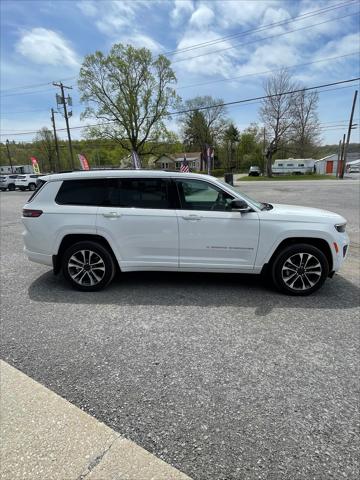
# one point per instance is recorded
(265, 38)
(33, 85)
(268, 71)
(259, 29)
(235, 102)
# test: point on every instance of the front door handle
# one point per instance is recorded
(192, 217)
(111, 214)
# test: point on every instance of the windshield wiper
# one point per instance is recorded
(266, 206)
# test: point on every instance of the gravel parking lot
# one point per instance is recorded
(218, 375)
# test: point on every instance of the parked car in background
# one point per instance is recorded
(27, 182)
(254, 171)
(89, 225)
(7, 182)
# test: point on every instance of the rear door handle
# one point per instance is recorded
(111, 214)
(192, 217)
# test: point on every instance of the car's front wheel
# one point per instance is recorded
(300, 269)
(11, 187)
(32, 187)
(88, 266)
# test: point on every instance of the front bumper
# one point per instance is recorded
(340, 250)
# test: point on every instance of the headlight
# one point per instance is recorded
(340, 227)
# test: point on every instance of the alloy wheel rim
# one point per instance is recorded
(301, 271)
(86, 267)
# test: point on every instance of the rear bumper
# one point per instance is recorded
(39, 257)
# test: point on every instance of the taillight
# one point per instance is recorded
(31, 213)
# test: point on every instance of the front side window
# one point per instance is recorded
(199, 195)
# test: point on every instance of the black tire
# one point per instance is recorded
(11, 187)
(78, 271)
(290, 275)
(32, 187)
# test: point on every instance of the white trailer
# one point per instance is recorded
(293, 166)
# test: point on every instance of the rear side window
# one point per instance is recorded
(83, 192)
(39, 185)
(116, 192)
(142, 193)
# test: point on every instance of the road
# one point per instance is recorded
(218, 375)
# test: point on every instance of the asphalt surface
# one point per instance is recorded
(218, 375)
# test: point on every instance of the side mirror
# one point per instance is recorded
(238, 205)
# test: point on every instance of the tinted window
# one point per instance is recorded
(117, 192)
(141, 193)
(199, 195)
(83, 192)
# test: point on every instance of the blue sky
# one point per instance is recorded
(45, 41)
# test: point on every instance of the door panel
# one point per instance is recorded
(218, 239)
(141, 223)
(210, 234)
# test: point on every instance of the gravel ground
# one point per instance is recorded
(217, 374)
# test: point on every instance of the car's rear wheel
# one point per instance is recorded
(300, 269)
(88, 266)
(32, 187)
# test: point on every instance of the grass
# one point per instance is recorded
(286, 177)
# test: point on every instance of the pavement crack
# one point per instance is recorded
(95, 461)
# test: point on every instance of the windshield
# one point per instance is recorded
(245, 197)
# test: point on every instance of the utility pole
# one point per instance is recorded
(264, 157)
(339, 160)
(56, 141)
(351, 126)
(9, 156)
(63, 101)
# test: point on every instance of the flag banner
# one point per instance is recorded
(83, 162)
(135, 160)
(184, 167)
(35, 165)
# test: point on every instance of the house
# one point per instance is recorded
(327, 165)
(293, 166)
(173, 161)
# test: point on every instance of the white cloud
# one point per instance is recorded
(202, 17)
(233, 13)
(88, 8)
(44, 46)
(139, 40)
(182, 9)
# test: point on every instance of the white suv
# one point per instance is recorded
(7, 182)
(27, 181)
(91, 224)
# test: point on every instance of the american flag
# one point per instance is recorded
(184, 166)
(135, 160)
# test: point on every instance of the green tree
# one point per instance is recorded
(231, 139)
(44, 142)
(203, 122)
(131, 93)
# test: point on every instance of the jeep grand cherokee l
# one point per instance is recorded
(89, 224)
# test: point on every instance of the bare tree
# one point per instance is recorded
(277, 112)
(130, 92)
(45, 142)
(306, 128)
